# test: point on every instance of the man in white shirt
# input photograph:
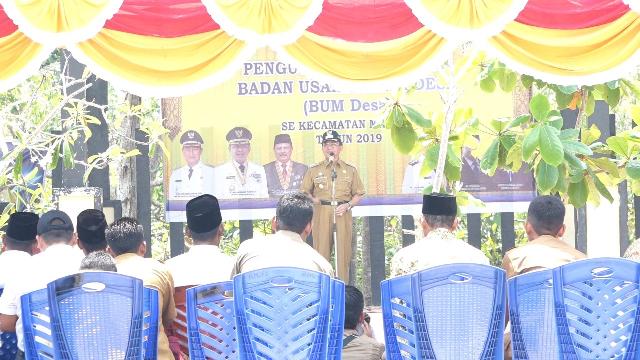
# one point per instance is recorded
(58, 258)
(18, 244)
(440, 245)
(195, 178)
(204, 263)
(287, 247)
(240, 178)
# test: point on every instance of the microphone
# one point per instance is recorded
(334, 175)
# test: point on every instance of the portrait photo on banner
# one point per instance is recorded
(251, 139)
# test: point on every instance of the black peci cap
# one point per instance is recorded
(439, 204)
(203, 214)
(22, 226)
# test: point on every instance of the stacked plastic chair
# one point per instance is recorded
(446, 312)
(211, 322)
(8, 343)
(97, 315)
(286, 314)
(36, 325)
(532, 316)
(336, 320)
(179, 328)
(150, 323)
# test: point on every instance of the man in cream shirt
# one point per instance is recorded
(287, 247)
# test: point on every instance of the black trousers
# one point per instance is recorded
(20, 355)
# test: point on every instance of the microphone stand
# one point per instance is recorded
(334, 204)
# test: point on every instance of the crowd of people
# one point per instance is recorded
(39, 249)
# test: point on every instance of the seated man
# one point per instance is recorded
(58, 258)
(545, 250)
(18, 244)
(357, 346)
(204, 263)
(439, 246)
(287, 247)
(90, 229)
(126, 242)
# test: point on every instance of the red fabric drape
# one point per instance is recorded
(162, 18)
(571, 14)
(7, 27)
(365, 20)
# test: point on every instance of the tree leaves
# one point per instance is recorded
(550, 145)
(578, 193)
(489, 160)
(633, 169)
(540, 107)
(415, 117)
(546, 176)
(530, 143)
(404, 138)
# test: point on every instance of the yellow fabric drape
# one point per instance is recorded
(152, 61)
(467, 14)
(571, 52)
(262, 16)
(366, 61)
(61, 21)
(17, 53)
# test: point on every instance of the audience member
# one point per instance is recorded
(18, 244)
(91, 224)
(356, 345)
(204, 263)
(287, 247)
(439, 246)
(98, 260)
(126, 242)
(55, 238)
(633, 251)
(545, 250)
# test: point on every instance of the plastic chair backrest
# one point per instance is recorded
(211, 322)
(283, 313)
(180, 323)
(447, 312)
(36, 325)
(597, 309)
(336, 320)
(8, 343)
(97, 315)
(150, 324)
(532, 316)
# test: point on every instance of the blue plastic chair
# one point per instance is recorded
(597, 313)
(446, 312)
(150, 325)
(336, 320)
(211, 322)
(97, 315)
(36, 325)
(532, 316)
(8, 343)
(283, 314)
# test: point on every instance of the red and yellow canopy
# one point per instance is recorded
(173, 47)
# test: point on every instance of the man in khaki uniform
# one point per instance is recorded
(287, 247)
(440, 245)
(318, 182)
(126, 244)
(545, 250)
